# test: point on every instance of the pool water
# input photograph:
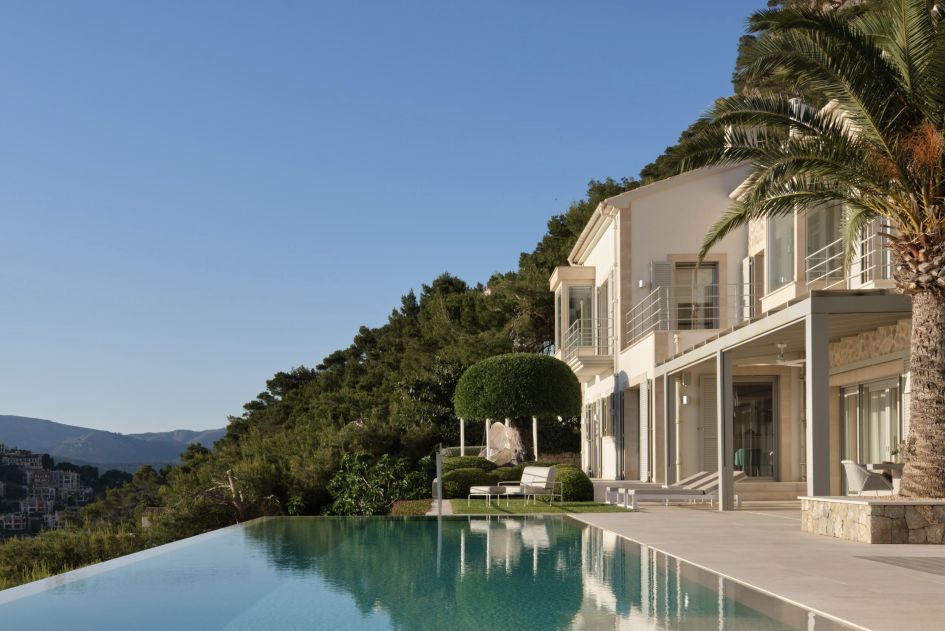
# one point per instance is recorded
(399, 573)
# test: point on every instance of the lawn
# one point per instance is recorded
(518, 507)
(410, 508)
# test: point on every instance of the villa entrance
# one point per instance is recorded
(755, 424)
(755, 421)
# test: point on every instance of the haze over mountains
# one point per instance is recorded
(106, 450)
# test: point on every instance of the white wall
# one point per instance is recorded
(675, 218)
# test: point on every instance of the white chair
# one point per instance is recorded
(535, 482)
(860, 481)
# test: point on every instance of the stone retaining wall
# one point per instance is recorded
(874, 521)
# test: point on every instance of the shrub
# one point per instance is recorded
(467, 462)
(508, 474)
(575, 485)
(363, 488)
(456, 483)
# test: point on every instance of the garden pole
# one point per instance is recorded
(439, 481)
(462, 438)
(535, 436)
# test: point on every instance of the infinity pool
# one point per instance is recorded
(397, 573)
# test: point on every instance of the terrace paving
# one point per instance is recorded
(878, 587)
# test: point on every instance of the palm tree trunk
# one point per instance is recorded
(924, 474)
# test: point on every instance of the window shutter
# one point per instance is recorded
(662, 273)
(747, 294)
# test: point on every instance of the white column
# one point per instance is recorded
(817, 384)
(725, 416)
(535, 436)
(487, 439)
(462, 438)
(669, 429)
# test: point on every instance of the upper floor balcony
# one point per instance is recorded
(698, 308)
(589, 347)
(870, 266)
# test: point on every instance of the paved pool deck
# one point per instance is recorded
(877, 587)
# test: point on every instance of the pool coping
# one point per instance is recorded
(58, 580)
(728, 577)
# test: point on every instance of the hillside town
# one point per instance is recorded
(33, 495)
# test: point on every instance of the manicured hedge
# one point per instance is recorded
(467, 462)
(575, 485)
(518, 385)
(509, 474)
(456, 483)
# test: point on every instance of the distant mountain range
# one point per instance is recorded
(105, 450)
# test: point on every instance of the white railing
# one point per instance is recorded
(650, 314)
(871, 263)
(692, 308)
(589, 333)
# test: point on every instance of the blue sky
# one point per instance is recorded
(194, 196)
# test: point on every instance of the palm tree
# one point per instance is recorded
(862, 126)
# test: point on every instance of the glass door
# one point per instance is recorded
(880, 436)
(696, 295)
(755, 429)
(851, 424)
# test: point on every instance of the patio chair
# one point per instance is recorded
(536, 482)
(861, 481)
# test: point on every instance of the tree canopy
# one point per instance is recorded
(516, 385)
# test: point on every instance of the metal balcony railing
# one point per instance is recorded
(871, 262)
(590, 333)
(692, 308)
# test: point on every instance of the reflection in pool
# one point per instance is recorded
(411, 574)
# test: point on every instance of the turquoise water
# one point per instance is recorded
(410, 574)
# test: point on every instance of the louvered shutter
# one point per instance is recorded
(663, 279)
(747, 294)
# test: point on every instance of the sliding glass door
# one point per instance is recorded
(882, 419)
(872, 424)
(755, 437)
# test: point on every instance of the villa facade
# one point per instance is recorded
(768, 358)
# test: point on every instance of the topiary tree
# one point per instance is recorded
(521, 387)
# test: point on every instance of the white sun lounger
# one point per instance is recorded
(700, 487)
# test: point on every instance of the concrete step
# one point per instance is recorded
(769, 491)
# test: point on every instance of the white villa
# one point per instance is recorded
(768, 358)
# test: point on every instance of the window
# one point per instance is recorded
(780, 251)
(696, 295)
(850, 409)
(580, 312)
(824, 249)
(874, 257)
(881, 417)
(604, 317)
(872, 423)
(559, 314)
(607, 417)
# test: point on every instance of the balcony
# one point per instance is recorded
(589, 347)
(870, 264)
(692, 308)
